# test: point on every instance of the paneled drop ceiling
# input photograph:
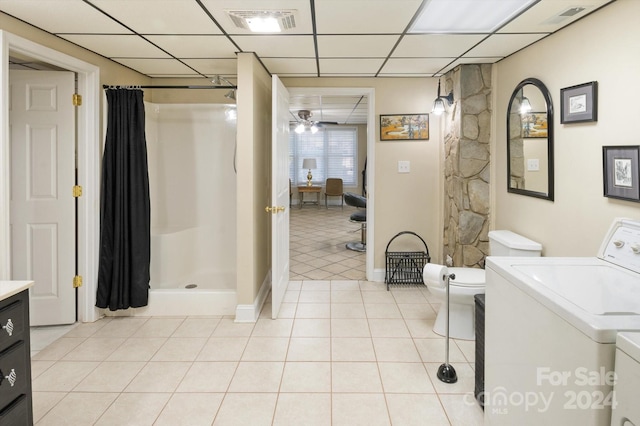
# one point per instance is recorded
(331, 38)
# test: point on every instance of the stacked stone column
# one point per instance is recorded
(467, 157)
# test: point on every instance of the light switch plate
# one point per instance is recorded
(533, 165)
(404, 166)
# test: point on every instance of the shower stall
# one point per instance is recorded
(192, 180)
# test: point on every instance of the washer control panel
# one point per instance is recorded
(622, 245)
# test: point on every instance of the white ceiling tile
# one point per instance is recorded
(302, 8)
(534, 19)
(291, 65)
(415, 66)
(278, 46)
(364, 16)
(155, 66)
(160, 16)
(356, 46)
(354, 36)
(62, 16)
(196, 46)
(123, 46)
(365, 66)
(435, 45)
(214, 66)
(503, 44)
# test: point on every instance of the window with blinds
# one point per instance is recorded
(335, 150)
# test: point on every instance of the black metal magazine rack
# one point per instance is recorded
(405, 267)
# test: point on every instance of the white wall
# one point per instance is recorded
(603, 48)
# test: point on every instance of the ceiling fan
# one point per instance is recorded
(305, 122)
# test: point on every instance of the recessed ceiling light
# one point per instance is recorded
(467, 16)
(263, 21)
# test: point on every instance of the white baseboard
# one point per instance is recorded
(378, 275)
(250, 313)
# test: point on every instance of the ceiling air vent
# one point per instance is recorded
(567, 13)
(263, 20)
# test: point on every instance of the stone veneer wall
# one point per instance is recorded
(467, 157)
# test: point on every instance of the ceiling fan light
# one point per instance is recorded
(314, 129)
(299, 128)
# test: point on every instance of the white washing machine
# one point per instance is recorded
(627, 410)
(550, 332)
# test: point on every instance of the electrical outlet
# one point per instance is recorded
(404, 166)
(533, 165)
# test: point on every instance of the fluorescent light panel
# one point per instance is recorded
(467, 16)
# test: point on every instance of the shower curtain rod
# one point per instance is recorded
(106, 86)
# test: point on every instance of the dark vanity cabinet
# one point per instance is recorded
(15, 361)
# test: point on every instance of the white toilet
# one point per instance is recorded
(471, 281)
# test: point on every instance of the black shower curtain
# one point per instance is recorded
(123, 276)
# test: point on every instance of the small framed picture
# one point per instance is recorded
(620, 171)
(404, 127)
(579, 103)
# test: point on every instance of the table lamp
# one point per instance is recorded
(309, 163)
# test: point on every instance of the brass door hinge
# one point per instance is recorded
(76, 99)
(77, 281)
(77, 191)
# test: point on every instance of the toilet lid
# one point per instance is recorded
(468, 277)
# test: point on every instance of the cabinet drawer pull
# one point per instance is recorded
(12, 377)
(8, 327)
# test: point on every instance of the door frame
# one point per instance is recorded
(88, 128)
(369, 92)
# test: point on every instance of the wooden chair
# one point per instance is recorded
(333, 188)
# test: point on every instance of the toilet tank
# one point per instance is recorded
(507, 243)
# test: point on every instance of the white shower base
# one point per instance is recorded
(179, 283)
(181, 302)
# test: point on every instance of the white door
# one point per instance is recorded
(279, 195)
(42, 216)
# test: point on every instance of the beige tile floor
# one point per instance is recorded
(317, 244)
(345, 352)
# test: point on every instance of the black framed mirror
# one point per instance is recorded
(530, 140)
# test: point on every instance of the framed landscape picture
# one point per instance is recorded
(534, 125)
(404, 127)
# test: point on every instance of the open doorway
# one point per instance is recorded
(87, 160)
(314, 230)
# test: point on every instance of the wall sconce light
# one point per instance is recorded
(309, 163)
(438, 104)
(231, 94)
(525, 105)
